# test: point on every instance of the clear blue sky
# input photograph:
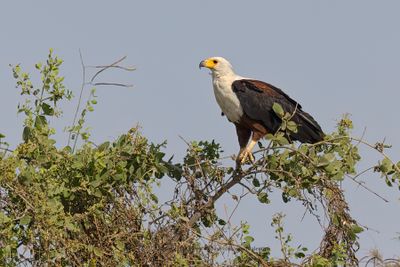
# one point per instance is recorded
(334, 57)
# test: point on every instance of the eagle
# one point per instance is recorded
(248, 104)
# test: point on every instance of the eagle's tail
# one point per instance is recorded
(308, 130)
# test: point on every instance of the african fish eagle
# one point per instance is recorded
(248, 104)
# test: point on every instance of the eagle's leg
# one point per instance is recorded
(244, 156)
(247, 153)
(243, 134)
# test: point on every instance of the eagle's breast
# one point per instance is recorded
(226, 98)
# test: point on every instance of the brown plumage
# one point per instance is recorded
(257, 99)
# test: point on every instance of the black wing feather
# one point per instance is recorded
(257, 99)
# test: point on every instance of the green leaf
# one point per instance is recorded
(27, 133)
(77, 165)
(221, 222)
(40, 122)
(263, 197)
(206, 221)
(356, 229)
(70, 226)
(85, 136)
(278, 110)
(386, 165)
(265, 252)
(245, 228)
(326, 159)
(339, 176)
(54, 205)
(256, 182)
(98, 252)
(2, 135)
(292, 126)
(4, 218)
(25, 220)
(96, 183)
(120, 245)
(292, 192)
(334, 167)
(299, 255)
(100, 164)
(103, 146)
(285, 197)
(248, 239)
(154, 198)
(162, 169)
(282, 140)
(47, 109)
(120, 177)
(260, 145)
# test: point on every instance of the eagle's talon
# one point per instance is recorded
(251, 157)
(245, 157)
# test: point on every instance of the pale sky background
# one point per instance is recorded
(334, 57)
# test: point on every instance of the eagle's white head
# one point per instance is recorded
(219, 66)
(223, 77)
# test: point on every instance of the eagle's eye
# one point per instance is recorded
(215, 61)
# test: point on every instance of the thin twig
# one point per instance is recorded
(28, 203)
(113, 84)
(380, 151)
(248, 188)
(235, 208)
(115, 67)
(236, 177)
(240, 247)
(366, 188)
(6, 149)
(107, 67)
(80, 96)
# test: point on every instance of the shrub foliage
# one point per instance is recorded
(94, 204)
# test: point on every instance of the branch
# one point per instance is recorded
(91, 82)
(80, 95)
(6, 149)
(107, 67)
(113, 84)
(240, 247)
(365, 187)
(378, 147)
(338, 232)
(112, 66)
(237, 176)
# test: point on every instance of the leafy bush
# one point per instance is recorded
(94, 205)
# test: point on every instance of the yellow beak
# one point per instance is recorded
(208, 63)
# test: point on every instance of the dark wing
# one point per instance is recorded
(257, 99)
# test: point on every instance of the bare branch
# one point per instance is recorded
(115, 67)
(364, 186)
(113, 84)
(107, 67)
(80, 95)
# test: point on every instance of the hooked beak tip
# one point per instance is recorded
(202, 64)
